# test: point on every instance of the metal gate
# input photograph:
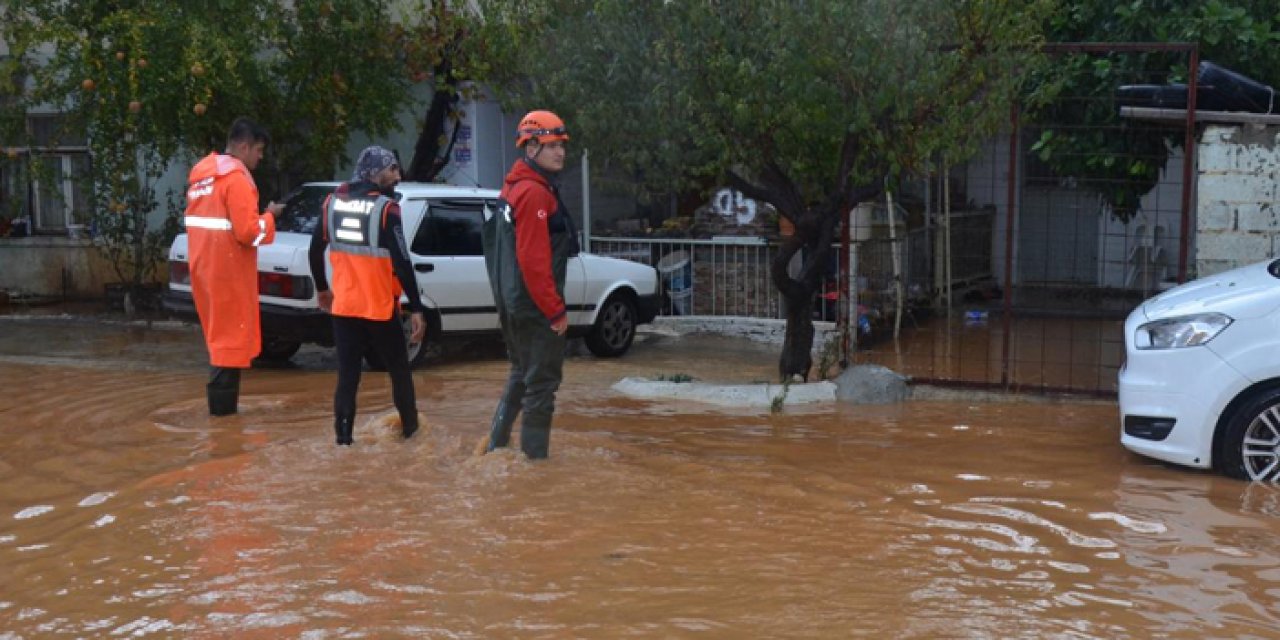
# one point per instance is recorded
(1066, 267)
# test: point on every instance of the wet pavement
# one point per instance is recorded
(125, 511)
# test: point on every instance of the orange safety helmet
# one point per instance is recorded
(543, 125)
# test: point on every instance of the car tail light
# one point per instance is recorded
(179, 273)
(283, 285)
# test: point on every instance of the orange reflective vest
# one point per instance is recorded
(224, 229)
(364, 283)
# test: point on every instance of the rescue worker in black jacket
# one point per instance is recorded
(527, 245)
(370, 258)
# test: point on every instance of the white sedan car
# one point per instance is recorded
(606, 297)
(1201, 381)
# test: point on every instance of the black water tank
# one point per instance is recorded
(1237, 92)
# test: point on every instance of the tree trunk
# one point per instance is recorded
(797, 296)
(427, 159)
(815, 229)
(797, 347)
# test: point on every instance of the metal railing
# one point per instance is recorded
(730, 276)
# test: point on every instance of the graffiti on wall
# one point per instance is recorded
(731, 203)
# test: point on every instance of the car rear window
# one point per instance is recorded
(302, 209)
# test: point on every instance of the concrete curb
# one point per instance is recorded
(728, 395)
(764, 330)
(168, 325)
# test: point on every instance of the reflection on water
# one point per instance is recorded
(126, 512)
(1076, 354)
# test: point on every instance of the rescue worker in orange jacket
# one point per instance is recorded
(361, 228)
(224, 229)
(527, 246)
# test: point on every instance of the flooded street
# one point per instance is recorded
(125, 511)
(1080, 355)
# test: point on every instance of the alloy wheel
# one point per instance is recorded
(1261, 446)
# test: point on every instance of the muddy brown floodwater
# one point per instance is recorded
(126, 512)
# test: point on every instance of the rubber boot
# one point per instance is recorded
(500, 431)
(223, 391)
(535, 435)
(343, 426)
(409, 427)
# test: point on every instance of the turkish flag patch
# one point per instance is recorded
(542, 214)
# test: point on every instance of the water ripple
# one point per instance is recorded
(32, 512)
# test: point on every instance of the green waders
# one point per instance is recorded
(535, 351)
(537, 359)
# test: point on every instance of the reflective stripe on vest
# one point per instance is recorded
(354, 225)
(214, 224)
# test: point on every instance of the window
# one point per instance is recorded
(450, 228)
(302, 209)
(60, 185)
(49, 181)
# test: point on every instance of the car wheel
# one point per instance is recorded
(1250, 448)
(417, 351)
(615, 327)
(276, 348)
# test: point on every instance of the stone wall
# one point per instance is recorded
(1238, 197)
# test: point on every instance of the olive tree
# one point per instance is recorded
(810, 106)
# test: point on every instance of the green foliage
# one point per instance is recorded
(832, 353)
(779, 402)
(155, 83)
(676, 377)
(1083, 136)
(807, 106)
(675, 92)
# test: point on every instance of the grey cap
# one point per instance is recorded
(372, 160)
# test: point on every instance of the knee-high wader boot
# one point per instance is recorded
(508, 409)
(343, 428)
(223, 391)
(535, 435)
(542, 356)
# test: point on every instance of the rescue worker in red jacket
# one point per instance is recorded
(527, 245)
(224, 229)
(362, 229)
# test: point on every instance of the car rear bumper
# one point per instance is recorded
(286, 323)
(179, 304)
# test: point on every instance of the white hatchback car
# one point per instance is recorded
(606, 297)
(1201, 381)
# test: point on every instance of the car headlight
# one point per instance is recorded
(1185, 331)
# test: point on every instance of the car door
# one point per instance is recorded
(449, 263)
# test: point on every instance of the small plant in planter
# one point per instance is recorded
(125, 199)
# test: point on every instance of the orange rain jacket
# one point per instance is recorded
(224, 229)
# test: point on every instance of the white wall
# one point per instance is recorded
(986, 183)
(1144, 251)
(985, 179)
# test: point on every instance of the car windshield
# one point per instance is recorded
(302, 209)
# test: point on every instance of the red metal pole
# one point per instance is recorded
(1188, 160)
(1008, 242)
